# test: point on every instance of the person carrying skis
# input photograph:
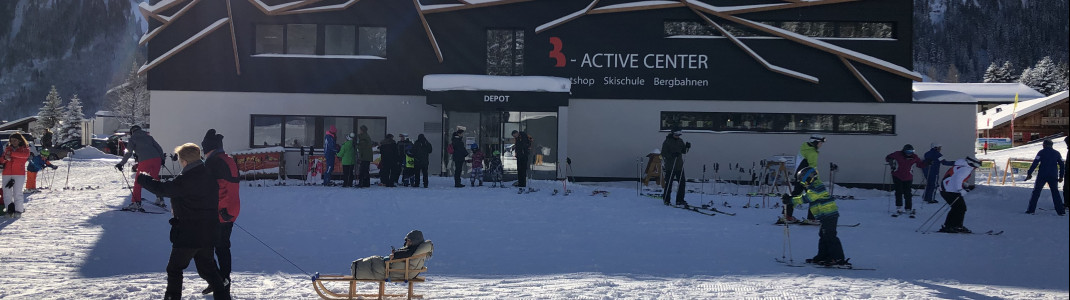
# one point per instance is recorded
(953, 189)
(672, 151)
(330, 150)
(933, 160)
(522, 149)
(148, 157)
(195, 226)
(388, 161)
(823, 206)
(459, 154)
(348, 154)
(421, 152)
(807, 157)
(225, 171)
(365, 155)
(1050, 173)
(477, 165)
(36, 163)
(901, 162)
(13, 161)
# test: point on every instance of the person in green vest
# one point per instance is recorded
(348, 154)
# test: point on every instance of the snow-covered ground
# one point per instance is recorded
(494, 244)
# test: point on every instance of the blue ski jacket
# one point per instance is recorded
(1051, 164)
(933, 160)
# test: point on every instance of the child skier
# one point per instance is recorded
(823, 206)
(494, 166)
(37, 163)
(477, 165)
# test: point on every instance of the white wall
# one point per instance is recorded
(608, 136)
(183, 116)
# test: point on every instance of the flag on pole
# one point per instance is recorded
(1014, 114)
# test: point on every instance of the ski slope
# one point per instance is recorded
(494, 244)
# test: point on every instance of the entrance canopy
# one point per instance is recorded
(485, 92)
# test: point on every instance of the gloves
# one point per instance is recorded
(119, 167)
(1030, 176)
(10, 184)
(225, 215)
(54, 167)
(786, 199)
(174, 157)
(687, 145)
(833, 167)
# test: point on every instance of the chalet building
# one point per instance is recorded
(1036, 119)
(600, 82)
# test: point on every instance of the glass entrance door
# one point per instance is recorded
(492, 130)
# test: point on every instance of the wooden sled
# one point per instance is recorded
(351, 293)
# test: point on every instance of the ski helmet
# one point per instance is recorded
(817, 138)
(973, 162)
(806, 175)
(935, 145)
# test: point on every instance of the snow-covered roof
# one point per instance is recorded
(104, 113)
(941, 96)
(983, 92)
(18, 122)
(465, 82)
(1001, 114)
(260, 150)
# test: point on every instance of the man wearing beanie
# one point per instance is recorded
(901, 163)
(933, 160)
(1050, 172)
(149, 160)
(225, 171)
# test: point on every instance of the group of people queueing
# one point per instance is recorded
(403, 160)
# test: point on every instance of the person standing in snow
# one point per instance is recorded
(348, 154)
(1066, 175)
(459, 154)
(672, 151)
(901, 162)
(522, 149)
(933, 160)
(807, 157)
(225, 171)
(388, 161)
(195, 226)
(421, 153)
(365, 155)
(953, 189)
(823, 206)
(477, 166)
(14, 175)
(35, 163)
(1050, 173)
(404, 163)
(148, 157)
(330, 150)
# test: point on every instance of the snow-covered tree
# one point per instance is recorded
(1042, 77)
(990, 73)
(72, 121)
(50, 113)
(997, 73)
(132, 104)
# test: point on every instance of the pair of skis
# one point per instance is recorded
(790, 263)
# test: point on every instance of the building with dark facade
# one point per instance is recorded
(600, 82)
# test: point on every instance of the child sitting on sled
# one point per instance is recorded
(374, 267)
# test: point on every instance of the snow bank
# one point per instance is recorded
(92, 153)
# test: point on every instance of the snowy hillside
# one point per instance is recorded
(494, 244)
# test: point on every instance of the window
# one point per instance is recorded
(301, 39)
(688, 28)
(340, 40)
(305, 131)
(816, 29)
(267, 131)
(300, 131)
(372, 41)
(778, 122)
(505, 52)
(269, 39)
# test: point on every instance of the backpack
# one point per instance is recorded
(449, 148)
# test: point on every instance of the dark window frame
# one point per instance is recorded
(318, 124)
(715, 122)
(321, 36)
(836, 25)
(513, 67)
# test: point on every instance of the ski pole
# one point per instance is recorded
(68, 180)
(787, 243)
(884, 180)
(923, 224)
(125, 181)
